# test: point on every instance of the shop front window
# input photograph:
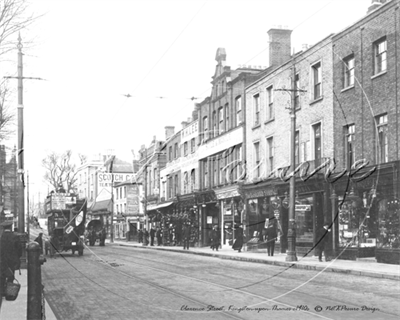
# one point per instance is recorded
(304, 220)
(357, 223)
(389, 226)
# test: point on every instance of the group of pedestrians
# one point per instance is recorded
(156, 234)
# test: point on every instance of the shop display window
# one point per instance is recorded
(304, 219)
(389, 216)
(357, 224)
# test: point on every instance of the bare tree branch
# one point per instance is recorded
(60, 170)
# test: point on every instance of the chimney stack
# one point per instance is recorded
(135, 165)
(184, 124)
(375, 4)
(279, 46)
(169, 131)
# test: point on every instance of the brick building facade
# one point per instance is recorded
(366, 74)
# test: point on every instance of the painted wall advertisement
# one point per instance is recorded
(105, 181)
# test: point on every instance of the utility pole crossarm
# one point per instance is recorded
(24, 78)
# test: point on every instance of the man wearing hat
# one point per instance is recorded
(10, 253)
(322, 239)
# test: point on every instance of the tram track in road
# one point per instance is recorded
(130, 259)
(221, 288)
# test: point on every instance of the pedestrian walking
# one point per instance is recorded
(186, 235)
(152, 235)
(103, 235)
(271, 235)
(159, 236)
(214, 236)
(10, 253)
(145, 237)
(39, 240)
(322, 238)
(140, 236)
(238, 242)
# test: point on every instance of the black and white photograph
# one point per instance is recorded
(199, 159)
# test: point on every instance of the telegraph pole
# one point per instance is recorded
(291, 254)
(112, 200)
(20, 151)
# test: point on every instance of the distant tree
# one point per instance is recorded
(14, 17)
(7, 125)
(60, 170)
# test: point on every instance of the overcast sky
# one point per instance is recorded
(93, 52)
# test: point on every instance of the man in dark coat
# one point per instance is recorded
(238, 244)
(322, 238)
(39, 240)
(214, 236)
(145, 237)
(140, 236)
(186, 236)
(10, 253)
(271, 235)
(103, 235)
(152, 235)
(159, 236)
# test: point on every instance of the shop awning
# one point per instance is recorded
(158, 206)
(101, 206)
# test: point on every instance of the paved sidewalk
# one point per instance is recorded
(363, 267)
(16, 310)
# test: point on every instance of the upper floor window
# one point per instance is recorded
(185, 148)
(170, 187)
(205, 127)
(380, 55)
(176, 150)
(223, 86)
(176, 185)
(257, 163)
(226, 117)
(270, 103)
(185, 183)
(205, 171)
(192, 145)
(214, 132)
(348, 71)
(349, 137)
(256, 107)
(220, 120)
(317, 143)
(192, 180)
(238, 107)
(239, 157)
(383, 147)
(317, 80)
(297, 92)
(170, 153)
(270, 154)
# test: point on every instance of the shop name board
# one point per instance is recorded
(303, 207)
(224, 142)
(106, 179)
